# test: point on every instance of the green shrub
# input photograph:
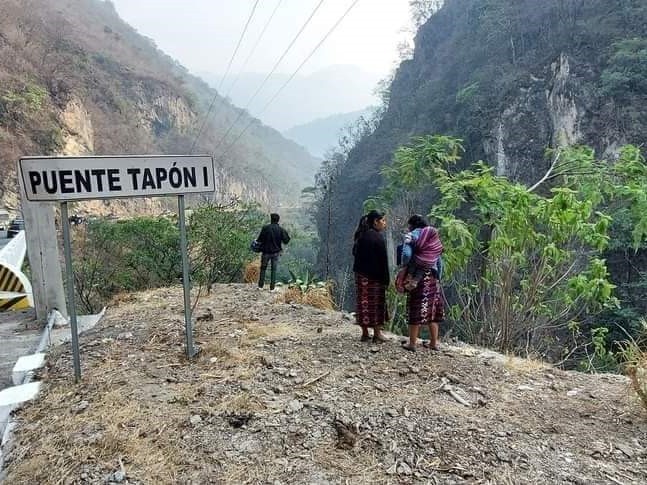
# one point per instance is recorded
(219, 239)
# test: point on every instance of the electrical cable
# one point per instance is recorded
(231, 60)
(258, 40)
(276, 65)
(225, 152)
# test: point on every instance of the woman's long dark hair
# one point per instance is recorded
(365, 223)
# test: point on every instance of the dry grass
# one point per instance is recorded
(113, 429)
(252, 271)
(637, 372)
(240, 403)
(269, 331)
(525, 366)
(316, 297)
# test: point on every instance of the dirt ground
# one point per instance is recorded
(283, 393)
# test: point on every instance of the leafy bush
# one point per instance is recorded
(219, 238)
(130, 255)
(305, 282)
(144, 252)
(523, 266)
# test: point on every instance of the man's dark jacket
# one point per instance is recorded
(271, 237)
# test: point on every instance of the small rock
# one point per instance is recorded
(525, 388)
(572, 392)
(118, 476)
(125, 336)
(625, 449)
(404, 469)
(392, 412)
(195, 419)
(245, 387)
(295, 405)
(213, 360)
(80, 407)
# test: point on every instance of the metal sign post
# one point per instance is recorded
(71, 301)
(186, 283)
(61, 179)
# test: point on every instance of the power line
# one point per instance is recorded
(285, 52)
(225, 152)
(258, 40)
(231, 60)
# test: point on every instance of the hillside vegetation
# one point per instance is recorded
(514, 83)
(75, 79)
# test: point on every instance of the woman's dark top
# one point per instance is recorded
(371, 257)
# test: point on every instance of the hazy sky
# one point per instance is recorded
(202, 34)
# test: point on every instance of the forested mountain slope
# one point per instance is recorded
(510, 79)
(320, 135)
(76, 79)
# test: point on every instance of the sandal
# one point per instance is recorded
(365, 338)
(408, 347)
(427, 345)
(379, 340)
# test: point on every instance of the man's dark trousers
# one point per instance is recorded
(268, 258)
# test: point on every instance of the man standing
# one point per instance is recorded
(271, 237)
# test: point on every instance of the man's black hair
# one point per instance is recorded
(274, 218)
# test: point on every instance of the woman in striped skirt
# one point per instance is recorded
(425, 299)
(371, 270)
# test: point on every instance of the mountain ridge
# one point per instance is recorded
(76, 79)
(322, 134)
(334, 89)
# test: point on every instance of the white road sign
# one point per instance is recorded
(79, 178)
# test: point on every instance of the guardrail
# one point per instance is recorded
(15, 288)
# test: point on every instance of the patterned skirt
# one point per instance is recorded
(371, 302)
(425, 301)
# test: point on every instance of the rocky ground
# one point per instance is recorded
(283, 393)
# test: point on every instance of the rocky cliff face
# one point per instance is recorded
(511, 79)
(76, 80)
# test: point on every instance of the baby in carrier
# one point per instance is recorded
(421, 250)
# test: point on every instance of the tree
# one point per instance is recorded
(523, 263)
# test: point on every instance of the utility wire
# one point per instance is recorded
(249, 56)
(285, 52)
(226, 152)
(231, 60)
(260, 37)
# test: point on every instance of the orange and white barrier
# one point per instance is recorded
(15, 288)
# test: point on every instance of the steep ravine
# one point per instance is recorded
(510, 90)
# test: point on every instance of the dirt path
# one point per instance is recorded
(283, 393)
